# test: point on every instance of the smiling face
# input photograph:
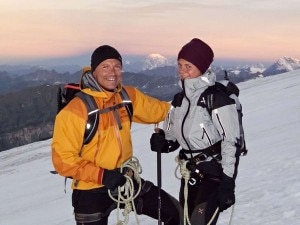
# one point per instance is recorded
(187, 70)
(109, 74)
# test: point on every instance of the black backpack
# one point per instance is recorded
(66, 93)
(216, 96)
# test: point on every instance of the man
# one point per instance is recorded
(94, 167)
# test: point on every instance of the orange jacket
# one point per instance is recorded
(110, 147)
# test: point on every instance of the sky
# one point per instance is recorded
(267, 186)
(256, 30)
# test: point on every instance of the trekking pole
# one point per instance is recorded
(156, 129)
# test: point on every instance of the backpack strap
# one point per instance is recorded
(177, 100)
(128, 103)
(94, 112)
(214, 97)
(93, 116)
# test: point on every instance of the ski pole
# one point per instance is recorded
(156, 129)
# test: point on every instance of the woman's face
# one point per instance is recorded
(187, 70)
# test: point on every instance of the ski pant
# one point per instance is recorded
(203, 194)
(96, 203)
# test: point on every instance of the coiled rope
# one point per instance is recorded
(126, 194)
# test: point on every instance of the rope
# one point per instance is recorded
(231, 216)
(186, 174)
(126, 192)
(213, 216)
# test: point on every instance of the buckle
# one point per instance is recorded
(192, 181)
(200, 157)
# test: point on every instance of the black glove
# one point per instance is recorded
(113, 178)
(158, 142)
(226, 193)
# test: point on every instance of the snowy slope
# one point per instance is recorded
(268, 185)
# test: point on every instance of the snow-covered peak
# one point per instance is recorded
(155, 60)
(288, 63)
(283, 64)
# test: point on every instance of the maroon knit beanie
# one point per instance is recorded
(198, 53)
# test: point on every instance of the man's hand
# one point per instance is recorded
(112, 178)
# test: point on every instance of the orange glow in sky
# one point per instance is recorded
(255, 30)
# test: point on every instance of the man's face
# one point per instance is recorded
(108, 74)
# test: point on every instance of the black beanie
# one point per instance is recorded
(102, 53)
(198, 53)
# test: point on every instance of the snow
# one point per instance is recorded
(268, 184)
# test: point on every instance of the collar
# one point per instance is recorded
(198, 84)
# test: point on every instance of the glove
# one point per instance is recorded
(226, 193)
(112, 178)
(158, 142)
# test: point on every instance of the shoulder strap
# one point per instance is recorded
(214, 97)
(94, 112)
(128, 103)
(177, 100)
(93, 116)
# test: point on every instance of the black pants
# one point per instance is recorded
(98, 201)
(203, 195)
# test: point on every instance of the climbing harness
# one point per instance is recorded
(126, 194)
(186, 175)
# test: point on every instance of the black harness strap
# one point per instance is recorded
(212, 151)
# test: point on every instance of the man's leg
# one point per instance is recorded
(91, 207)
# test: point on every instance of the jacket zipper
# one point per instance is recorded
(205, 133)
(221, 125)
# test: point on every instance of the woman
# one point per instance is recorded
(208, 142)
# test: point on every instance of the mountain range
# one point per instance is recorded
(148, 74)
(28, 97)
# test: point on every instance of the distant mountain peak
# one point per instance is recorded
(155, 60)
(156, 55)
(283, 64)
